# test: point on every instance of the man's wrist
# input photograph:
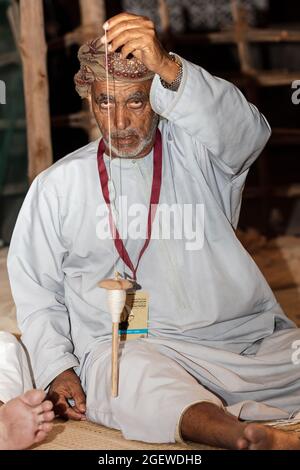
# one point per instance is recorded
(168, 70)
(175, 73)
(64, 372)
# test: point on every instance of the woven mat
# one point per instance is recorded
(81, 435)
(75, 435)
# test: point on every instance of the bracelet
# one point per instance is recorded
(175, 84)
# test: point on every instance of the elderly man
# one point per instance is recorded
(219, 347)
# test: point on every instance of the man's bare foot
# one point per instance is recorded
(260, 437)
(210, 424)
(25, 420)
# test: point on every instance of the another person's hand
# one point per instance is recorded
(136, 35)
(66, 386)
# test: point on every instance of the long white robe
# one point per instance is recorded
(15, 376)
(210, 309)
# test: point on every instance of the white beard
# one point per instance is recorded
(144, 143)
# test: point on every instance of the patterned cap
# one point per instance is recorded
(93, 67)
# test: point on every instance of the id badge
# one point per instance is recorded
(134, 318)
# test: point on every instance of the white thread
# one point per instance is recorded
(116, 302)
(110, 182)
(108, 103)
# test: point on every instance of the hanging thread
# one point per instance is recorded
(111, 187)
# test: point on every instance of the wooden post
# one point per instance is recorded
(93, 15)
(164, 16)
(13, 16)
(33, 53)
(241, 27)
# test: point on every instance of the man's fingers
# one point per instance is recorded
(135, 35)
(112, 33)
(79, 398)
(66, 387)
(132, 46)
(128, 36)
(72, 414)
(114, 20)
(64, 410)
(60, 404)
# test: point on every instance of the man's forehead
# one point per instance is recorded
(121, 89)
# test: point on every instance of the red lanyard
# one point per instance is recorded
(154, 199)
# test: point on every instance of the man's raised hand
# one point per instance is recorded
(136, 35)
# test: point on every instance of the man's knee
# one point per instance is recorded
(139, 358)
(8, 338)
(153, 391)
(10, 349)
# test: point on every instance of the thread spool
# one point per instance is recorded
(116, 298)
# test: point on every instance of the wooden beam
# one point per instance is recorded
(7, 58)
(272, 35)
(285, 136)
(260, 78)
(80, 120)
(33, 53)
(15, 124)
(275, 78)
(14, 189)
(290, 191)
(253, 35)
(286, 191)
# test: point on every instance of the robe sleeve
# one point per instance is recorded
(216, 115)
(37, 281)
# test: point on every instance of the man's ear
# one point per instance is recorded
(89, 100)
(93, 130)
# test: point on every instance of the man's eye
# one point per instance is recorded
(105, 105)
(135, 104)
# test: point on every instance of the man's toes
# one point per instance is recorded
(45, 427)
(47, 405)
(255, 433)
(33, 397)
(242, 444)
(40, 436)
(38, 410)
(43, 408)
(47, 416)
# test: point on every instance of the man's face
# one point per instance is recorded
(132, 120)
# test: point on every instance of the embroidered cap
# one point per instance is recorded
(93, 67)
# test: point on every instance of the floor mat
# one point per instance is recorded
(82, 435)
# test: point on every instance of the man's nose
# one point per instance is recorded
(122, 120)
